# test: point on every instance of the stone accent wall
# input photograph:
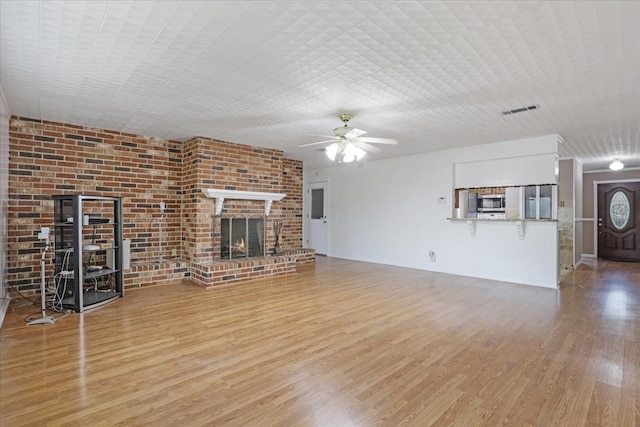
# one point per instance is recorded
(48, 158)
(565, 224)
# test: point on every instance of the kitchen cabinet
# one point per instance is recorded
(530, 202)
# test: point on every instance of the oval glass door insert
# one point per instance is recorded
(619, 209)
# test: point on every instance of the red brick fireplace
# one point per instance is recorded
(230, 179)
(49, 158)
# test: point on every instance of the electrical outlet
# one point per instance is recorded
(44, 233)
(174, 252)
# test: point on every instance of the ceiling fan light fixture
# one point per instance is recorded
(348, 144)
(616, 165)
(345, 152)
(332, 150)
(351, 153)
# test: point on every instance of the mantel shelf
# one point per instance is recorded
(220, 195)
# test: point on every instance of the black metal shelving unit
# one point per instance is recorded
(81, 223)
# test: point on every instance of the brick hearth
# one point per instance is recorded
(214, 273)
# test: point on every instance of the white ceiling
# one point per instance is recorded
(433, 75)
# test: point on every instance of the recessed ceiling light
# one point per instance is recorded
(520, 110)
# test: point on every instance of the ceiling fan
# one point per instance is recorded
(347, 144)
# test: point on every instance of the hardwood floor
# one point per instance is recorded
(346, 343)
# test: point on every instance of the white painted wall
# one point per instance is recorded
(387, 212)
(577, 203)
(513, 171)
(4, 202)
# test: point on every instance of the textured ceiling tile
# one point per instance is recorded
(269, 73)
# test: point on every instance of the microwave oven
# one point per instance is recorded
(491, 203)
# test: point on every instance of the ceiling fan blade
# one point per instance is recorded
(379, 140)
(354, 133)
(367, 147)
(324, 136)
(316, 143)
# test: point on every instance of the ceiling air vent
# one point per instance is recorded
(520, 110)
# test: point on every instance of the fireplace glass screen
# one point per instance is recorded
(242, 237)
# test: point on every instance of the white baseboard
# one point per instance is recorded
(588, 256)
(4, 306)
(577, 264)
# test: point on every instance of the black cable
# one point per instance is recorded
(65, 313)
(29, 317)
(34, 302)
(56, 302)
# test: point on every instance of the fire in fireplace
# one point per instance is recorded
(242, 237)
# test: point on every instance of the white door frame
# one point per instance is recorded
(325, 186)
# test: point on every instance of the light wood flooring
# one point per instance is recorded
(344, 344)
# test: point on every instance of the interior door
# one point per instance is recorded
(318, 217)
(618, 221)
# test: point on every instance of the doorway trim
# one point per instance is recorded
(307, 214)
(595, 207)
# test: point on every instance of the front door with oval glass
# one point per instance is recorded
(618, 221)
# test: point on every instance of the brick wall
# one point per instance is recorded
(48, 158)
(222, 165)
(291, 207)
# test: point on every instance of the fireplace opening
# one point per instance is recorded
(242, 237)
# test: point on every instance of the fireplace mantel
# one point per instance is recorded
(220, 195)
